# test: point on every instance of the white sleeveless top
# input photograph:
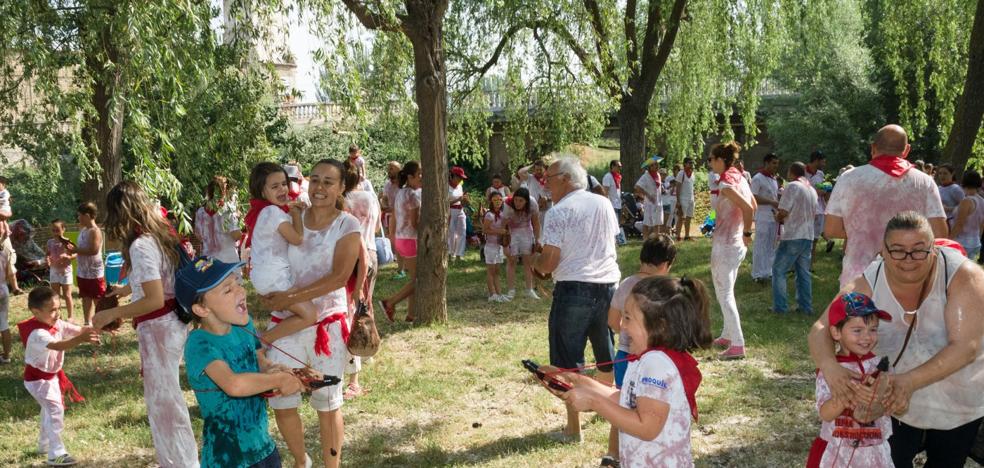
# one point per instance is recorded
(953, 401)
(970, 238)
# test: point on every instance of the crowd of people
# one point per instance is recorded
(886, 388)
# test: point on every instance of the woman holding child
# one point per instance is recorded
(933, 340)
(321, 265)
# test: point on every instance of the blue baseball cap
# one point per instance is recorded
(199, 277)
(652, 159)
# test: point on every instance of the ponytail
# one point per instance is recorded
(675, 312)
(409, 169)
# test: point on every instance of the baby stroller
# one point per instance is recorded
(32, 266)
(707, 229)
(631, 214)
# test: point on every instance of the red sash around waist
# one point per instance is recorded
(32, 373)
(321, 340)
(169, 306)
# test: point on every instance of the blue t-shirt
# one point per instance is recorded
(235, 433)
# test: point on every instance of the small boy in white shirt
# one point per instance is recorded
(45, 339)
(5, 211)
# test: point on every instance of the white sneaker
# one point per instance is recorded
(504, 298)
(532, 294)
(493, 298)
(511, 294)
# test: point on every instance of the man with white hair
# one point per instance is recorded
(578, 238)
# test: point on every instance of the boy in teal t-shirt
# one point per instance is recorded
(224, 361)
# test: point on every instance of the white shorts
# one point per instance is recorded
(301, 346)
(520, 243)
(652, 214)
(494, 254)
(60, 277)
(687, 207)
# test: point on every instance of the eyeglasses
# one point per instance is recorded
(917, 255)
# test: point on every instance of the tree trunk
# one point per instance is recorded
(103, 131)
(424, 27)
(970, 106)
(632, 138)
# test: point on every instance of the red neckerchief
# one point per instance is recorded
(656, 178)
(851, 357)
(452, 184)
(892, 165)
(495, 212)
(687, 368)
(31, 373)
(731, 176)
(255, 207)
(689, 172)
(210, 208)
(810, 171)
(617, 176)
(542, 179)
(767, 173)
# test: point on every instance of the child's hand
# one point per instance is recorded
(289, 384)
(93, 335)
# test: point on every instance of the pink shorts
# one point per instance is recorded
(407, 248)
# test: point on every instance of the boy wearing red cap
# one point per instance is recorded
(843, 440)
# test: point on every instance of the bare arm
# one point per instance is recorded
(940, 229)
(645, 421)
(547, 261)
(822, 350)
(963, 212)
(747, 208)
(95, 242)
(293, 232)
(614, 319)
(414, 215)
(965, 328)
(831, 409)
(88, 335)
(535, 219)
(833, 227)
(250, 383)
(153, 300)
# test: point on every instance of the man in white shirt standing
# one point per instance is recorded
(613, 188)
(816, 176)
(795, 213)
(579, 250)
(765, 188)
(685, 198)
(649, 187)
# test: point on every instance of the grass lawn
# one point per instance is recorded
(457, 395)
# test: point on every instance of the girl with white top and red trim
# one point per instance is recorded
(150, 248)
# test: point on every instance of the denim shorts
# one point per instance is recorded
(578, 314)
(271, 461)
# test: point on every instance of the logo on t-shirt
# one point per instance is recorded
(654, 381)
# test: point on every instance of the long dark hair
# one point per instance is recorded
(523, 193)
(727, 152)
(258, 177)
(675, 312)
(409, 169)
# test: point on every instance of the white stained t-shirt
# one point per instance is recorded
(951, 196)
(521, 221)
(4, 265)
(651, 187)
(614, 191)
(226, 221)
(364, 206)
(618, 303)
(496, 222)
(816, 179)
(312, 261)
(866, 198)
(456, 192)
(205, 230)
(537, 190)
(685, 186)
(148, 263)
(406, 199)
(269, 249)
(655, 376)
(800, 200)
(37, 354)
(390, 189)
(583, 226)
(767, 187)
(730, 221)
(90, 266)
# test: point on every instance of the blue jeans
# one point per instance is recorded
(271, 461)
(791, 253)
(578, 313)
